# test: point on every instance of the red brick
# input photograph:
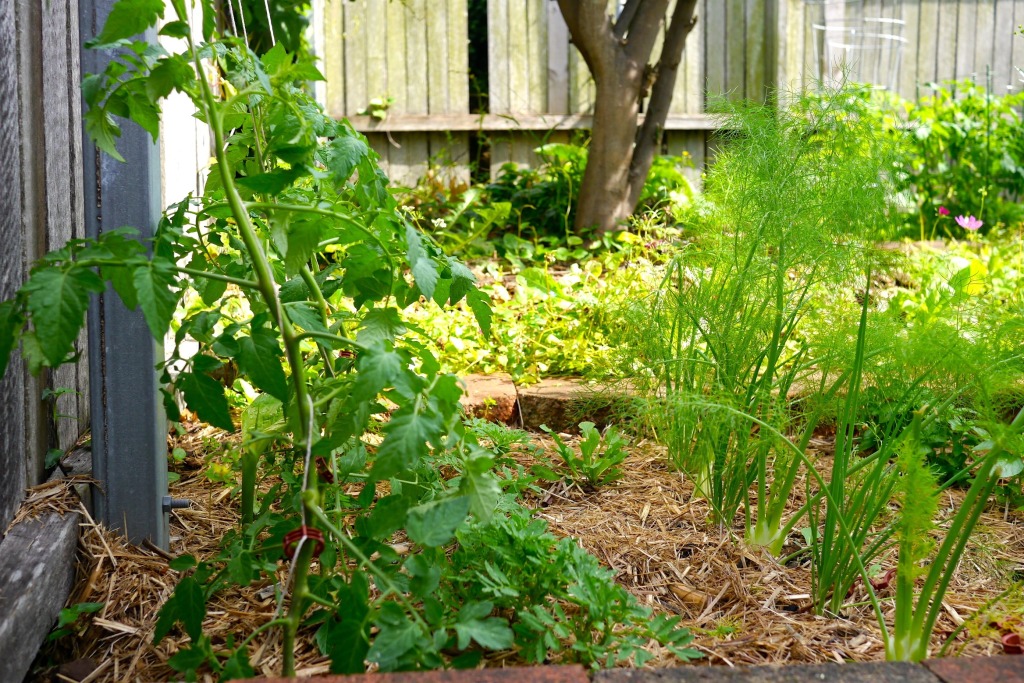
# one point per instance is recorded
(534, 674)
(1003, 669)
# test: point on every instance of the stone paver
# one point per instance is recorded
(536, 674)
(870, 672)
(491, 397)
(562, 403)
(1008, 669)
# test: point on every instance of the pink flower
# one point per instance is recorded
(943, 211)
(969, 223)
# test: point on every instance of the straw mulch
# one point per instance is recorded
(742, 605)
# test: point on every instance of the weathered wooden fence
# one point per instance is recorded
(413, 55)
(41, 207)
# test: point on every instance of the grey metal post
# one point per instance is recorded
(129, 447)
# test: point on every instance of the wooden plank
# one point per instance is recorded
(316, 37)
(1004, 76)
(395, 123)
(12, 270)
(691, 72)
(689, 144)
(33, 208)
(735, 59)
(37, 571)
(985, 41)
(498, 59)
(78, 199)
(398, 83)
(411, 158)
(1017, 52)
(449, 154)
(334, 57)
(375, 49)
(458, 57)
(437, 57)
(416, 58)
(581, 84)
(946, 39)
(56, 152)
(907, 66)
(518, 56)
(354, 40)
(522, 150)
(755, 54)
(558, 61)
(501, 154)
(375, 19)
(715, 47)
(927, 44)
(537, 56)
(456, 144)
(791, 48)
(966, 37)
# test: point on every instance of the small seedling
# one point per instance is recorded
(597, 463)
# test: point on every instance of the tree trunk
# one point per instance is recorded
(604, 200)
(649, 137)
(617, 55)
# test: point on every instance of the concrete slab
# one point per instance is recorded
(562, 403)
(870, 672)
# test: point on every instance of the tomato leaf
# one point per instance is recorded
(127, 18)
(434, 523)
(260, 359)
(205, 396)
(157, 290)
(57, 300)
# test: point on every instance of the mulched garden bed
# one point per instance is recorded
(742, 605)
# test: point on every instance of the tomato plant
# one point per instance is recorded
(297, 266)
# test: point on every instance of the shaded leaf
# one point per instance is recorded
(379, 325)
(260, 359)
(377, 370)
(157, 290)
(187, 605)
(57, 300)
(205, 397)
(480, 304)
(11, 322)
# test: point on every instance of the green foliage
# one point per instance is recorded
(70, 620)
(918, 609)
(956, 151)
(564, 606)
(964, 153)
(722, 340)
(576, 307)
(525, 215)
(597, 463)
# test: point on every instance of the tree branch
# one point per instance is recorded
(644, 28)
(626, 18)
(648, 139)
(591, 31)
